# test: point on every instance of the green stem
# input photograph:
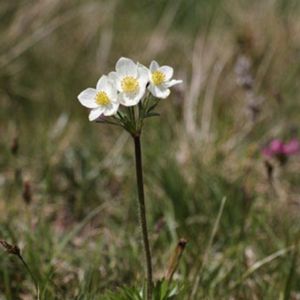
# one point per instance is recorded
(142, 213)
(30, 273)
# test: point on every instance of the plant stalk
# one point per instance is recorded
(30, 273)
(142, 213)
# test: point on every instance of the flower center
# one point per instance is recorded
(129, 84)
(102, 98)
(158, 77)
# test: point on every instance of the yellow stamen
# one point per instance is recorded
(129, 84)
(158, 77)
(102, 99)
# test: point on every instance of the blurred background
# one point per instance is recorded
(67, 186)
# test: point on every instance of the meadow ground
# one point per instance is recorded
(67, 186)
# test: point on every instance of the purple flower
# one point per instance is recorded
(280, 150)
(275, 147)
(292, 147)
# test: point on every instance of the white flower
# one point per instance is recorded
(130, 80)
(160, 80)
(103, 100)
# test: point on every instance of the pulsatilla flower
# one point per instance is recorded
(102, 101)
(160, 80)
(130, 80)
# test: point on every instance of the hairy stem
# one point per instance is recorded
(142, 213)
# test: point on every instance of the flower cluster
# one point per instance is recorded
(278, 147)
(130, 84)
(281, 150)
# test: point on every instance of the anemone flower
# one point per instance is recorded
(102, 101)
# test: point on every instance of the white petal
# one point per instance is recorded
(102, 82)
(168, 71)
(87, 98)
(143, 75)
(95, 113)
(131, 99)
(115, 78)
(112, 93)
(159, 91)
(153, 66)
(126, 67)
(110, 89)
(111, 109)
(171, 83)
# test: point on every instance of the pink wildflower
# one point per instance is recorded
(292, 147)
(280, 150)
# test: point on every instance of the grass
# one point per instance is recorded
(77, 227)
